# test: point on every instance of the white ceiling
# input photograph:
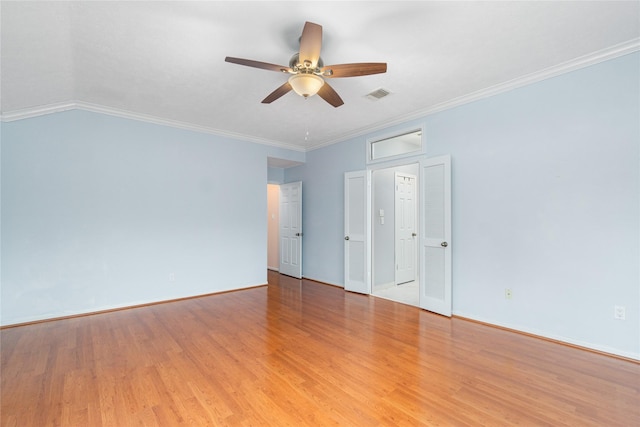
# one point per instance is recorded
(164, 61)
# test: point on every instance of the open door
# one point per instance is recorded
(356, 225)
(291, 229)
(435, 254)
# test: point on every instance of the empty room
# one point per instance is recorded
(366, 213)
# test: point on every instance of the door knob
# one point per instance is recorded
(298, 234)
(414, 234)
(346, 238)
(444, 244)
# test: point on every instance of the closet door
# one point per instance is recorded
(356, 276)
(435, 227)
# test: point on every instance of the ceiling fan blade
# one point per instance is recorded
(310, 44)
(285, 88)
(354, 70)
(327, 93)
(258, 64)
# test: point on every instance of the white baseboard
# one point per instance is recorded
(554, 337)
(67, 314)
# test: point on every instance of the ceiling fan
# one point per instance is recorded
(308, 71)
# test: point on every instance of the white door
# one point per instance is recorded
(435, 227)
(405, 227)
(356, 252)
(291, 229)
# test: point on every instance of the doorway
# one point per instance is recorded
(362, 270)
(394, 233)
(284, 228)
(273, 224)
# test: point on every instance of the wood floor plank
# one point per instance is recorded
(297, 353)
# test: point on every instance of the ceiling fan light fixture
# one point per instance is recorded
(306, 84)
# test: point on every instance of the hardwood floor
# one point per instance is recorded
(298, 353)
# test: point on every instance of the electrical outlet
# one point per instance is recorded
(619, 312)
(508, 294)
(172, 277)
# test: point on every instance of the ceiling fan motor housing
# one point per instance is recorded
(297, 66)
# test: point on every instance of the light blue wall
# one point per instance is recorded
(275, 175)
(322, 199)
(383, 242)
(546, 201)
(98, 211)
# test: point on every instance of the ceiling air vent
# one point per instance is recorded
(377, 94)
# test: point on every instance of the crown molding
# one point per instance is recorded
(612, 52)
(96, 108)
(41, 110)
(597, 57)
